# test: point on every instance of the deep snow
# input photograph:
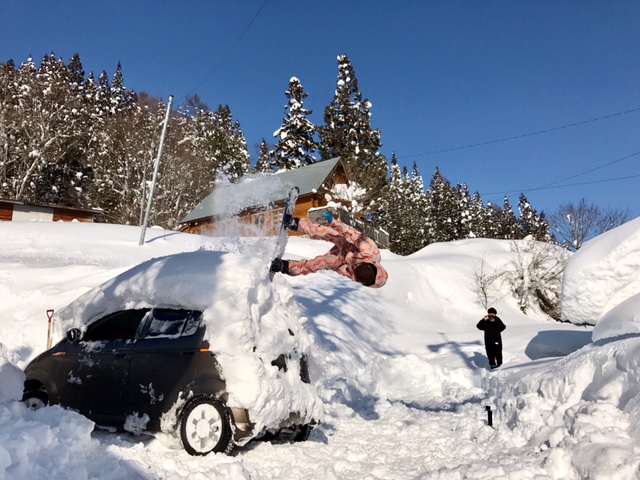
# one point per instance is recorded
(401, 371)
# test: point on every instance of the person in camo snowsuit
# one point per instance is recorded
(354, 255)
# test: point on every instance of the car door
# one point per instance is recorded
(98, 386)
(164, 361)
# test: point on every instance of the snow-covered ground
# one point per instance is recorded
(401, 371)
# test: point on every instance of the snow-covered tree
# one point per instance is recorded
(347, 133)
(46, 128)
(264, 163)
(508, 226)
(405, 209)
(574, 223)
(296, 141)
(477, 218)
(531, 223)
(441, 210)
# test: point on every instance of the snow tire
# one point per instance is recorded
(205, 427)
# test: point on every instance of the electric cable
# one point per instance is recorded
(554, 184)
(515, 137)
(224, 57)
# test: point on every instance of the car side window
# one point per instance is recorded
(169, 323)
(116, 326)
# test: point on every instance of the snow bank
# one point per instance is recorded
(11, 377)
(620, 320)
(602, 274)
(582, 412)
(250, 322)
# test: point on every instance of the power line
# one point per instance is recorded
(224, 57)
(550, 186)
(589, 171)
(515, 137)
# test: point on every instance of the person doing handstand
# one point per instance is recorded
(354, 255)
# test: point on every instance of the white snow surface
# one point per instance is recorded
(400, 372)
(602, 274)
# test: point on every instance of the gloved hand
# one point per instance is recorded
(279, 265)
(328, 217)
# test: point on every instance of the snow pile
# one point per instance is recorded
(602, 274)
(250, 322)
(620, 320)
(582, 413)
(11, 377)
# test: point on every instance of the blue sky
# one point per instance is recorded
(449, 80)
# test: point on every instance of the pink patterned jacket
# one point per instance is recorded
(351, 248)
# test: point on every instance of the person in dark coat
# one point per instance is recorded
(492, 326)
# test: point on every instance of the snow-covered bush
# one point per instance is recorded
(535, 275)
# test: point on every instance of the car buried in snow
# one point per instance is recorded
(149, 353)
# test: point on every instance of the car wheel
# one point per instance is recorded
(35, 399)
(204, 427)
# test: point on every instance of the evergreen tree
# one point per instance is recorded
(233, 154)
(295, 137)
(463, 212)
(219, 142)
(76, 72)
(477, 218)
(531, 223)
(396, 209)
(509, 229)
(494, 218)
(441, 210)
(264, 163)
(121, 98)
(347, 134)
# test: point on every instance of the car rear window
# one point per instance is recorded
(173, 323)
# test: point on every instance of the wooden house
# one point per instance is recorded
(255, 207)
(14, 210)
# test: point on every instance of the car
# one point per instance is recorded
(152, 367)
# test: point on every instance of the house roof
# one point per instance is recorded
(95, 211)
(262, 190)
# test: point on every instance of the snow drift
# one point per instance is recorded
(602, 274)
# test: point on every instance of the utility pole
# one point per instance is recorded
(155, 172)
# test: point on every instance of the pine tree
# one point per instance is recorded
(396, 209)
(463, 212)
(531, 223)
(265, 162)
(417, 211)
(296, 140)
(509, 227)
(477, 218)
(233, 154)
(441, 210)
(76, 72)
(121, 98)
(347, 134)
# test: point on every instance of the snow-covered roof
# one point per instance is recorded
(263, 189)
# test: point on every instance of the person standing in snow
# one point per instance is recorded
(492, 326)
(354, 255)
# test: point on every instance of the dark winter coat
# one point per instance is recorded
(492, 330)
